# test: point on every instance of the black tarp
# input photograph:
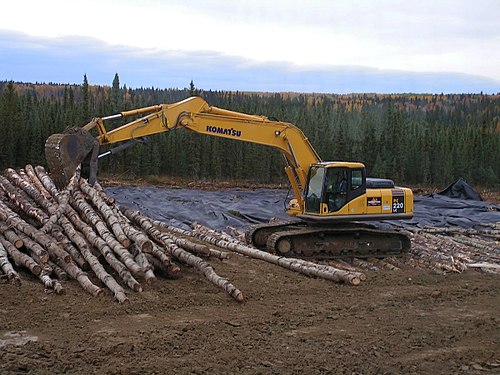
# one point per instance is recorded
(242, 208)
(460, 189)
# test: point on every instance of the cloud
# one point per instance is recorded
(66, 59)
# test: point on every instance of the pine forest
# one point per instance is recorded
(419, 139)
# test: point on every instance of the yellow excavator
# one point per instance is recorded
(331, 198)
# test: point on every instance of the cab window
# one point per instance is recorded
(315, 189)
(336, 188)
(356, 179)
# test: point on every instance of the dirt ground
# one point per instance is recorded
(397, 322)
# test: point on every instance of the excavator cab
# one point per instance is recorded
(340, 191)
(331, 187)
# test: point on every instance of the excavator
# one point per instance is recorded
(333, 200)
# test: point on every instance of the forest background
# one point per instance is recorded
(417, 139)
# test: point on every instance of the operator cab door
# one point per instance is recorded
(330, 189)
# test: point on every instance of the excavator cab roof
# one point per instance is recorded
(345, 164)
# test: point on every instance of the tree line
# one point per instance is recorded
(411, 138)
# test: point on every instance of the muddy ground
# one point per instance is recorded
(396, 322)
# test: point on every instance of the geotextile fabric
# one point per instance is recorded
(242, 208)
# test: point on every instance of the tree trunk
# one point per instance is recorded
(7, 268)
(138, 237)
(297, 265)
(182, 255)
(106, 212)
(21, 200)
(36, 181)
(96, 241)
(86, 210)
(21, 259)
(11, 236)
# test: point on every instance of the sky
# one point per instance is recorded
(385, 46)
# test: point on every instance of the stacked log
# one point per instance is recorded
(456, 249)
(63, 234)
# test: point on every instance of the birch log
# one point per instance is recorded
(30, 171)
(297, 265)
(21, 200)
(7, 268)
(96, 241)
(11, 236)
(138, 237)
(184, 256)
(86, 210)
(19, 258)
(83, 254)
(106, 212)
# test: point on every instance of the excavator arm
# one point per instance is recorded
(64, 152)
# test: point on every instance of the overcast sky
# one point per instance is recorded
(281, 45)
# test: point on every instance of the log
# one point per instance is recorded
(79, 203)
(219, 235)
(68, 246)
(19, 258)
(138, 237)
(297, 265)
(222, 255)
(55, 252)
(36, 181)
(63, 203)
(93, 262)
(37, 196)
(106, 251)
(58, 271)
(57, 211)
(7, 268)
(11, 236)
(51, 284)
(36, 251)
(365, 265)
(158, 265)
(13, 220)
(184, 256)
(109, 200)
(96, 241)
(167, 266)
(21, 200)
(342, 264)
(106, 212)
(147, 268)
(82, 278)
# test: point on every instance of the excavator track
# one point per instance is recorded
(296, 239)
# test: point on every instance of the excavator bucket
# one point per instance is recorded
(65, 152)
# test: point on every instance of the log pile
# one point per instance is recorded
(81, 234)
(457, 249)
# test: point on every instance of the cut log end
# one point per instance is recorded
(355, 281)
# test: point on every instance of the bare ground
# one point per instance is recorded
(396, 322)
